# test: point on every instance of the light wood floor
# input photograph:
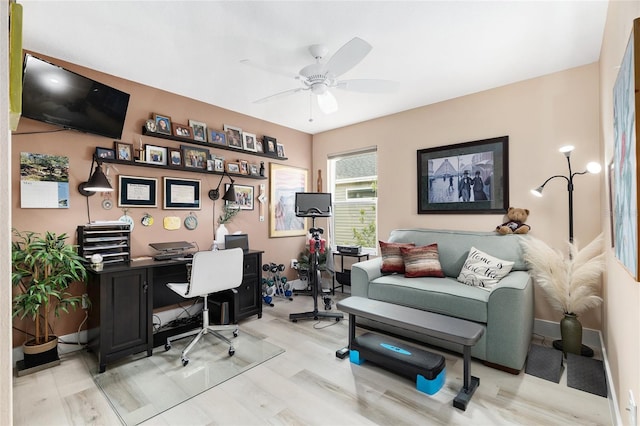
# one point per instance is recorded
(308, 385)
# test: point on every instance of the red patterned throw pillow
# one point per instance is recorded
(392, 258)
(422, 261)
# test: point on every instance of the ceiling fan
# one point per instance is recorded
(319, 78)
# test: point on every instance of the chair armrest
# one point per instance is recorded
(362, 273)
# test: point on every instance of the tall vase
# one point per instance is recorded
(220, 234)
(571, 332)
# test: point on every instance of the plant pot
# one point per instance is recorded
(39, 354)
(571, 332)
(220, 234)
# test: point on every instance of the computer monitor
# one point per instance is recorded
(313, 204)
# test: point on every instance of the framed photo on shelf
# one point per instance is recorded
(210, 164)
(284, 182)
(199, 130)
(244, 167)
(193, 157)
(280, 149)
(106, 153)
(244, 196)
(175, 157)
(269, 145)
(181, 194)
(233, 168)
(181, 130)
(163, 123)
(249, 142)
(254, 169)
(137, 191)
(259, 147)
(470, 177)
(217, 138)
(155, 155)
(124, 151)
(218, 164)
(234, 136)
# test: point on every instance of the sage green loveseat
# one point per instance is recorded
(506, 311)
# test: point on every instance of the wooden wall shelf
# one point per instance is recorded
(208, 145)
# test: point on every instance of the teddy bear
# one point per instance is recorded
(516, 225)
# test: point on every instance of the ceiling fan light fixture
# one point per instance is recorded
(327, 103)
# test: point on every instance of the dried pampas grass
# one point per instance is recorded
(571, 284)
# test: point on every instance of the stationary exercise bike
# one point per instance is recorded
(314, 204)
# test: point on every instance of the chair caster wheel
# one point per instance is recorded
(185, 361)
(327, 307)
(167, 346)
(235, 333)
(315, 318)
(231, 351)
(337, 319)
(294, 320)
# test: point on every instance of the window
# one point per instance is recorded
(353, 179)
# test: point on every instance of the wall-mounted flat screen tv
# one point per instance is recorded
(58, 96)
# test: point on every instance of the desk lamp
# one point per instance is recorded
(592, 167)
(229, 195)
(97, 182)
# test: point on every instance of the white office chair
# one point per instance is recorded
(211, 272)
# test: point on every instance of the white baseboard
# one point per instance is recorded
(551, 329)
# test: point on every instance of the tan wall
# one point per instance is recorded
(145, 101)
(622, 292)
(538, 115)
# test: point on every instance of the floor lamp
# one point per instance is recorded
(592, 167)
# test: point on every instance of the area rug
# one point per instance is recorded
(544, 362)
(139, 388)
(586, 374)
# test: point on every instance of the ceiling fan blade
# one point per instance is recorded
(269, 68)
(368, 86)
(327, 102)
(279, 95)
(348, 56)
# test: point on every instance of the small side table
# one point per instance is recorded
(344, 275)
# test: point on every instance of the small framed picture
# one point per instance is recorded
(269, 145)
(280, 149)
(181, 130)
(234, 136)
(175, 157)
(254, 169)
(217, 138)
(259, 147)
(155, 155)
(249, 141)
(244, 196)
(181, 193)
(105, 153)
(194, 157)
(233, 168)
(163, 123)
(218, 164)
(244, 167)
(210, 165)
(199, 130)
(124, 151)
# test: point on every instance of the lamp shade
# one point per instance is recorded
(230, 195)
(98, 182)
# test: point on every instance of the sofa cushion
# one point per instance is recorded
(442, 295)
(483, 270)
(421, 261)
(392, 261)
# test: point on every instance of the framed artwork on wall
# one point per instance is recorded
(137, 191)
(470, 177)
(181, 193)
(284, 182)
(194, 157)
(234, 136)
(156, 155)
(244, 196)
(163, 123)
(199, 130)
(124, 151)
(625, 156)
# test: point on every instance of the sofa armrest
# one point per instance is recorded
(510, 320)
(362, 273)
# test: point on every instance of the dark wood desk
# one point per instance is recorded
(122, 301)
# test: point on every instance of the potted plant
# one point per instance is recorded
(571, 283)
(43, 267)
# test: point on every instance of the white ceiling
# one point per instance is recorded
(435, 50)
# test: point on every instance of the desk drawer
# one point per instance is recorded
(251, 267)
